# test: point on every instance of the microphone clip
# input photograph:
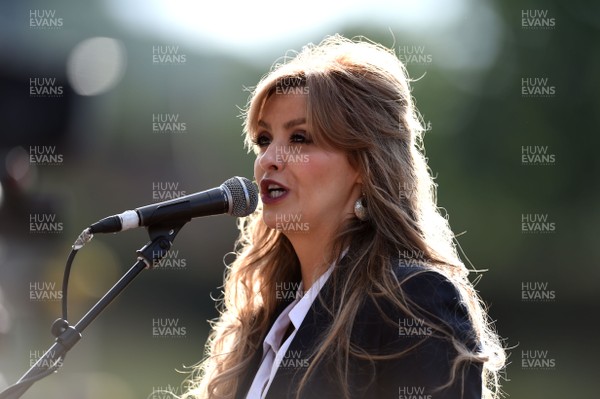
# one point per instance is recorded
(162, 236)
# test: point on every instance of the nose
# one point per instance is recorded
(271, 158)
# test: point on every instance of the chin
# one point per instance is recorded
(269, 218)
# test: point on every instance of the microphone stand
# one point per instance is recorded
(67, 336)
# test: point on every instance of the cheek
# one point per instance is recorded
(334, 176)
(319, 178)
(325, 168)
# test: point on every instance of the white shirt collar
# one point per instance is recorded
(274, 347)
(299, 311)
(295, 313)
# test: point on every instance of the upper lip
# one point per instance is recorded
(266, 183)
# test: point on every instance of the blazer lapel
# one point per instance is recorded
(254, 365)
(299, 354)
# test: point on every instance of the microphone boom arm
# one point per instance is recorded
(162, 237)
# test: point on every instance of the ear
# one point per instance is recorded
(359, 179)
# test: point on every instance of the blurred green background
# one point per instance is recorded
(474, 62)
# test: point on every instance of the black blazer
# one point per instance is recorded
(412, 376)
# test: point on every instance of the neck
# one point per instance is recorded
(312, 250)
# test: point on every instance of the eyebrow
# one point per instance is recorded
(289, 124)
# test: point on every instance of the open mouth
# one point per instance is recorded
(271, 190)
(275, 191)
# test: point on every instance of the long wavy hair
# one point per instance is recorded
(358, 101)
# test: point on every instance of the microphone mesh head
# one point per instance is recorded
(243, 196)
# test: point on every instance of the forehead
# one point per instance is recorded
(280, 107)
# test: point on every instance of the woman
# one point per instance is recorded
(347, 283)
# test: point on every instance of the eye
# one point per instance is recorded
(261, 140)
(300, 137)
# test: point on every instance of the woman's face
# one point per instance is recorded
(304, 188)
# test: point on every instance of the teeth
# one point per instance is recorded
(276, 193)
(275, 190)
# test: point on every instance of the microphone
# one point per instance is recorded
(236, 196)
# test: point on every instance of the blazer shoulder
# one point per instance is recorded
(434, 298)
(427, 287)
(417, 337)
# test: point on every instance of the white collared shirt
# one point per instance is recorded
(273, 349)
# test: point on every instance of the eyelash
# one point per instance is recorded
(295, 138)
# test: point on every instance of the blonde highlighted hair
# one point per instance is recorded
(358, 101)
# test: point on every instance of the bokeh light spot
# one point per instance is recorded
(96, 65)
